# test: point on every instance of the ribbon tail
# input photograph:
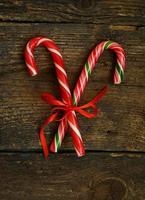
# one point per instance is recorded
(50, 99)
(92, 103)
(88, 114)
(101, 94)
(43, 143)
(42, 134)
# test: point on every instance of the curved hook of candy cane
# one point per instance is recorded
(91, 62)
(89, 66)
(29, 53)
(64, 87)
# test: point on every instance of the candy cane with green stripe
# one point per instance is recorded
(89, 66)
(91, 62)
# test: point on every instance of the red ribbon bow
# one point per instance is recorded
(61, 106)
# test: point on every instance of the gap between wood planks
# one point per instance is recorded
(70, 151)
(115, 26)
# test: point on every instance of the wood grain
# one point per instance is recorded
(121, 126)
(96, 177)
(130, 12)
(76, 26)
(75, 44)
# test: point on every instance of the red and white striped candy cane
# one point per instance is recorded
(89, 66)
(64, 90)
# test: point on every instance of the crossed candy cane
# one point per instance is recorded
(69, 105)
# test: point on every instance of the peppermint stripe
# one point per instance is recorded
(60, 68)
(43, 40)
(64, 86)
(120, 72)
(31, 69)
(55, 51)
(57, 142)
(88, 69)
(107, 44)
(75, 129)
(74, 100)
(78, 153)
(29, 51)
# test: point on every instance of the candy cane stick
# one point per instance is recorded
(64, 89)
(90, 64)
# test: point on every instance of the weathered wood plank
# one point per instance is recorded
(22, 111)
(75, 44)
(130, 12)
(95, 177)
(122, 124)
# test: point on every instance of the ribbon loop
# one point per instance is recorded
(51, 100)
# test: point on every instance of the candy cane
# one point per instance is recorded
(89, 66)
(64, 90)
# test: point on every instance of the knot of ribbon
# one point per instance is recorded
(66, 108)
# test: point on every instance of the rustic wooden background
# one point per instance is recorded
(114, 167)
